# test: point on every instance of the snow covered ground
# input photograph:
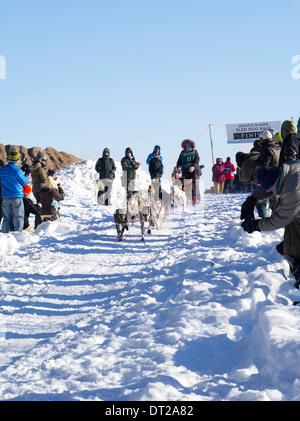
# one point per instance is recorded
(200, 311)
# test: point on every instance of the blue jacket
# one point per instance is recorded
(151, 155)
(12, 180)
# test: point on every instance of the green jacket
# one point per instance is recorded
(250, 167)
(38, 177)
(127, 166)
(287, 127)
(105, 166)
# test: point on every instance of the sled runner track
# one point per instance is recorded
(200, 311)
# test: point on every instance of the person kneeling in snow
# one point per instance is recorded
(285, 183)
(49, 198)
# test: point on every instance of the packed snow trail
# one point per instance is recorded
(200, 311)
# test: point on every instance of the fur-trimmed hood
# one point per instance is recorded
(188, 141)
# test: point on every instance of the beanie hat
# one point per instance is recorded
(265, 136)
(272, 131)
(14, 156)
(267, 177)
(41, 156)
(277, 137)
(27, 189)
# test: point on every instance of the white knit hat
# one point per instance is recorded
(266, 135)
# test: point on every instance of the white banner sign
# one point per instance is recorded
(248, 132)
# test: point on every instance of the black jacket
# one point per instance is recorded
(156, 168)
(289, 149)
(269, 154)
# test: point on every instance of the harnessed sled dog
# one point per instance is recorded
(138, 206)
(178, 198)
(160, 206)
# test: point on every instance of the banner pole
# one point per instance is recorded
(211, 145)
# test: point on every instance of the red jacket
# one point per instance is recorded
(218, 173)
(230, 168)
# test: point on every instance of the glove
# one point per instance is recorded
(250, 225)
(247, 208)
(297, 284)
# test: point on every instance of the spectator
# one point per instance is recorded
(290, 143)
(105, 167)
(12, 182)
(229, 175)
(50, 198)
(218, 177)
(129, 167)
(30, 208)
(38, 174)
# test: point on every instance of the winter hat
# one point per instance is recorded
(14, 156)
(27, 189)
(287, 127)
(277, 138)
(41, 156)
(218, 160)
(265, 136)
(272, 131)
(240, 158)
(267, 177)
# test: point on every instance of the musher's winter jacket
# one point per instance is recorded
(188, 159)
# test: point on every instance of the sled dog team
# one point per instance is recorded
(152, 205)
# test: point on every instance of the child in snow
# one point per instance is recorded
(30, 208)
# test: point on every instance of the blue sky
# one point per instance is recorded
(84, 75)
